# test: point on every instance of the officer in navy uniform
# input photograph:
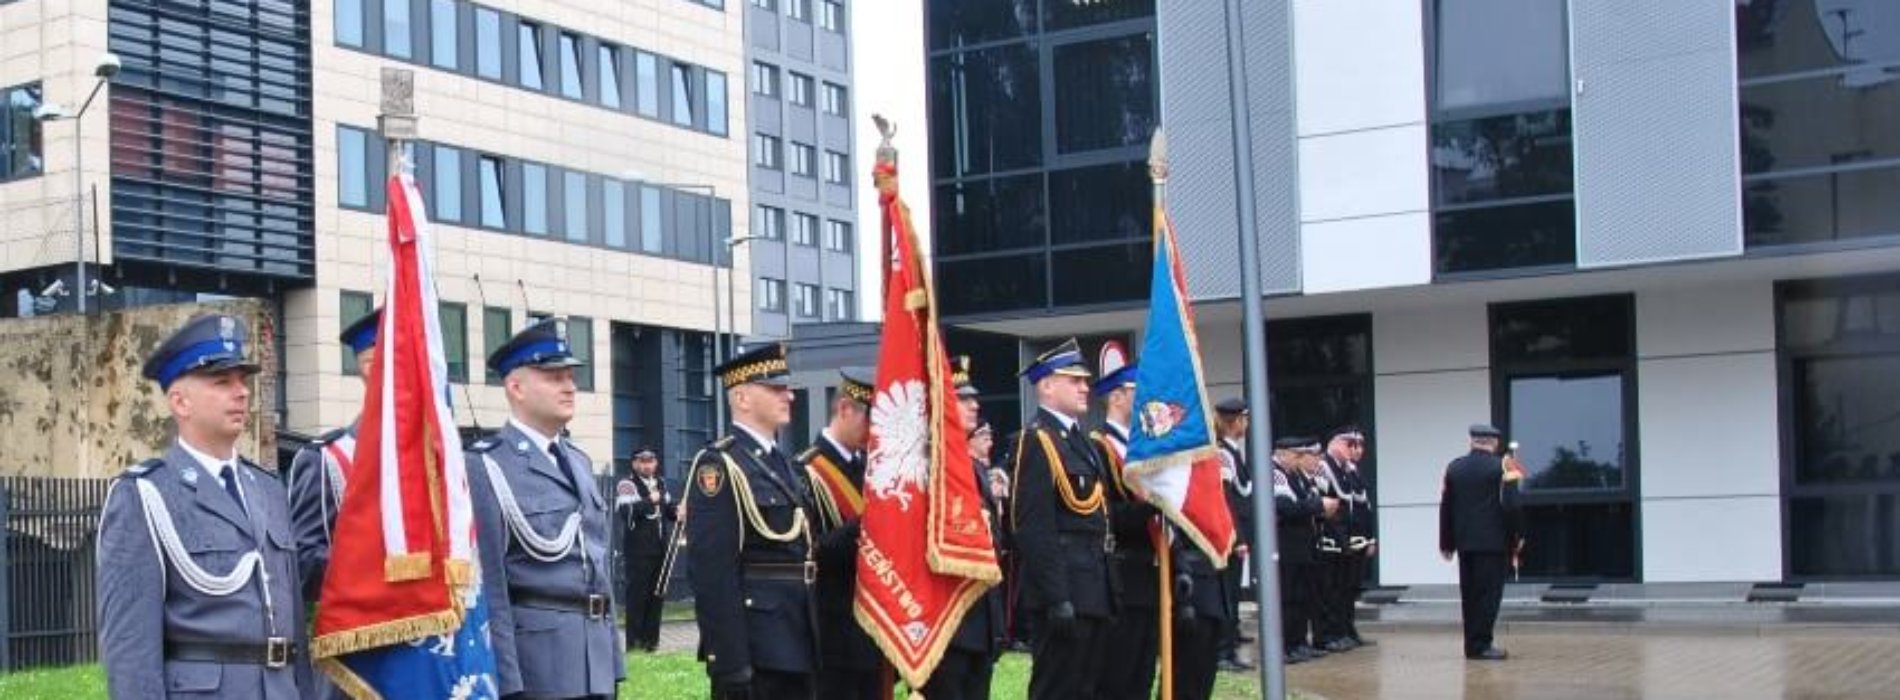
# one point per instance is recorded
(851, 665)
(197, 571)
(1061, 523)
(750, 542)
(651, 517)
(317, 478)
(1201, 607)
(542, 527)
(1231, 419)
(969, 662)
(1353, 534)
(1479, 523)
(1134, 640)
(1298, 508)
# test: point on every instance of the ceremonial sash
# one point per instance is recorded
(841, 501)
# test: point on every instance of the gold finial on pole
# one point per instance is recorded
(886, 153)
(1158, 158)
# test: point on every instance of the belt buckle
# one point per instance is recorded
(276, 652)
(811, 572)
(596, 606)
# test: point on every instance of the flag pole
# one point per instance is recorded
(1158, 174)
(1267, 594)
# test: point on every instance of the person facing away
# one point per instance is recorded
(1478, 524)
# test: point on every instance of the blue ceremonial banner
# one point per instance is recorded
(1171, 408)
(458, 666)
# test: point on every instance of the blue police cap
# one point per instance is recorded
(542, 345)
(1484, 430)
(1064, 359)
(205, 344)
(361, 335)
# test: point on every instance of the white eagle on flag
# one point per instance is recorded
(900, 464)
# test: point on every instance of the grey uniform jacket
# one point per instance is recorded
(540, 649)
(316, 487)
(144, 602)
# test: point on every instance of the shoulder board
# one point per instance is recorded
(329, 437)
(723, 442)
(246, 461)
(808, 454)
(143, 468)
(485, 444)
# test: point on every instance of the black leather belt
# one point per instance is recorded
(275, 652)
(806, 572)
(595, 607)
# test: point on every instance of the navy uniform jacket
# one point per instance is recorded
(546, 644)
(1478, 511)
(1239, 492)
(316, 488)
(1208, 597)
(1061, 520)
(1129, 518)
(754, 611)
(843, 641)
(1297, 508)
(1355, 504)
(984, 625)
(650, 526)
(145, 602)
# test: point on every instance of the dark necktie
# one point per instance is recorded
(560, 462)
(229, 477)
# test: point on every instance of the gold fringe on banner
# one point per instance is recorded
(407, 567)
(387, 634)
(459, 572)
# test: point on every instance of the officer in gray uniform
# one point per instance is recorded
(542, 529)
(197, 575)
(317, 478)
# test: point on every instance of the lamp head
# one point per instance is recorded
(107, 68)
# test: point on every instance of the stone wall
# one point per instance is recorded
(72, 402)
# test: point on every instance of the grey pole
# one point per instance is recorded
(719, 395)
(79, 193)
(1272, 653)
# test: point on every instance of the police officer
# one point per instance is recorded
(1298, 508)
(543, 531)
(1133, 642)
(1230, 423)
(651, 518)
(750, 535)
(1478, 523)
(318, 475)
(851, 665)
(1061, 524)
(197, 571)
(1344, 452)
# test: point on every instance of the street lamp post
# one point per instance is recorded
(719, 400)
(107, 68)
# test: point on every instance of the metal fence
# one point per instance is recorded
(47, 607)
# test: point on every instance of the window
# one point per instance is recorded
(613, 205)
(1320, 374)
(574, 191)
(1499, 52)
(349, 23)
(841, 305)
(766, 151)
(982, 118)
(493, 215)
(352, 306)
(798, 9)
(806, 298)
(802, 157)
(487, 43)
(764, 79)
(831, 15)
(397, 41)
(580, 341)
(771, 294)
(801, 89)
(837, 168)
(1104, 93)
(716, 102)
(647, 84)
(682, 95)
(455, 339)
(352, 164)
(497, 328)
(651, 238)
(804, 229)
(771, 223)
(444, 39)
(1563, 378)
(571, 66)
(448, 184)
(838, 236)
(993, 283)
(529, 56)
(534, 198)
(21, 153)
(609, 76)
(833, 99)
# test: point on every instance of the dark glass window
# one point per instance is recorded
(1101, 203)
(1320, 347)
(444, 38)
(534, 198)
(986, 111)
(1579, 541)
(1079, 279)
(609, 76)
(1517, 236)
(806, 298)
(529, 55)
(487, 43)
(1569, 428)
(1057, 14)
(455, 339)
(397, 40)
(493, 213)
(448, 184)
(1842, 411)
(981, 216)
(1848, 535)
(580, 339)
(1794, 36)
(574, 209)
(955, 23)
(613, 205)
(1500, 52)
(349, 22)
(497, 328)
(993, 284)
(1104, 93)
(352, 163)
(1588, 328)
(1502, 157)
(1820, 122)
(1828, 206)
(352, 306)
(571, 66)
(20, 135)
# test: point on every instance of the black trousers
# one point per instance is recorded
(1481, 590)
(643, 608)
(1352, 585)
(962, 675)
(1228, 637)
(1195, 658)
(849, 683)
(1337, 590)
(1297, 582)
(1130, 649)
(1066, 667)
(771, 685)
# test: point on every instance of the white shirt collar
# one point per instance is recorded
(766, 443)
(1121, 431)
(1067, 422)
(839, 446)
(212, 464)
(1234, 444)
(540, 441)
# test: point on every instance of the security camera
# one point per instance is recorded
(48, 111)
(100, 288)
(56, 289)
(108, 66)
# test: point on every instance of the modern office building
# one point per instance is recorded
(1657, 243)
(805, 169)
(581, 160)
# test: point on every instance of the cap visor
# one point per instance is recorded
(968, 391)
(557, 363)
(1073, 371)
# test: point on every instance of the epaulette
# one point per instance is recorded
(807, 454)
(723, 442)
(143, 468)
(484, 444)
(329, 437)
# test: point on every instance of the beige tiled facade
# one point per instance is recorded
(56, 44)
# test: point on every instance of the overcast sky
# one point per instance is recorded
(887, 57)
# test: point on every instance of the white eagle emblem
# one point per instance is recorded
(900, 463)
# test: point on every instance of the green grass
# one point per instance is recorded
(669, 676)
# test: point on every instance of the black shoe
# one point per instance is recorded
(1235, 666)
(1246, 639)
(1491, 654)
(1362, 641)
(1340, 645)
(1297, 656)
(1310, 652)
